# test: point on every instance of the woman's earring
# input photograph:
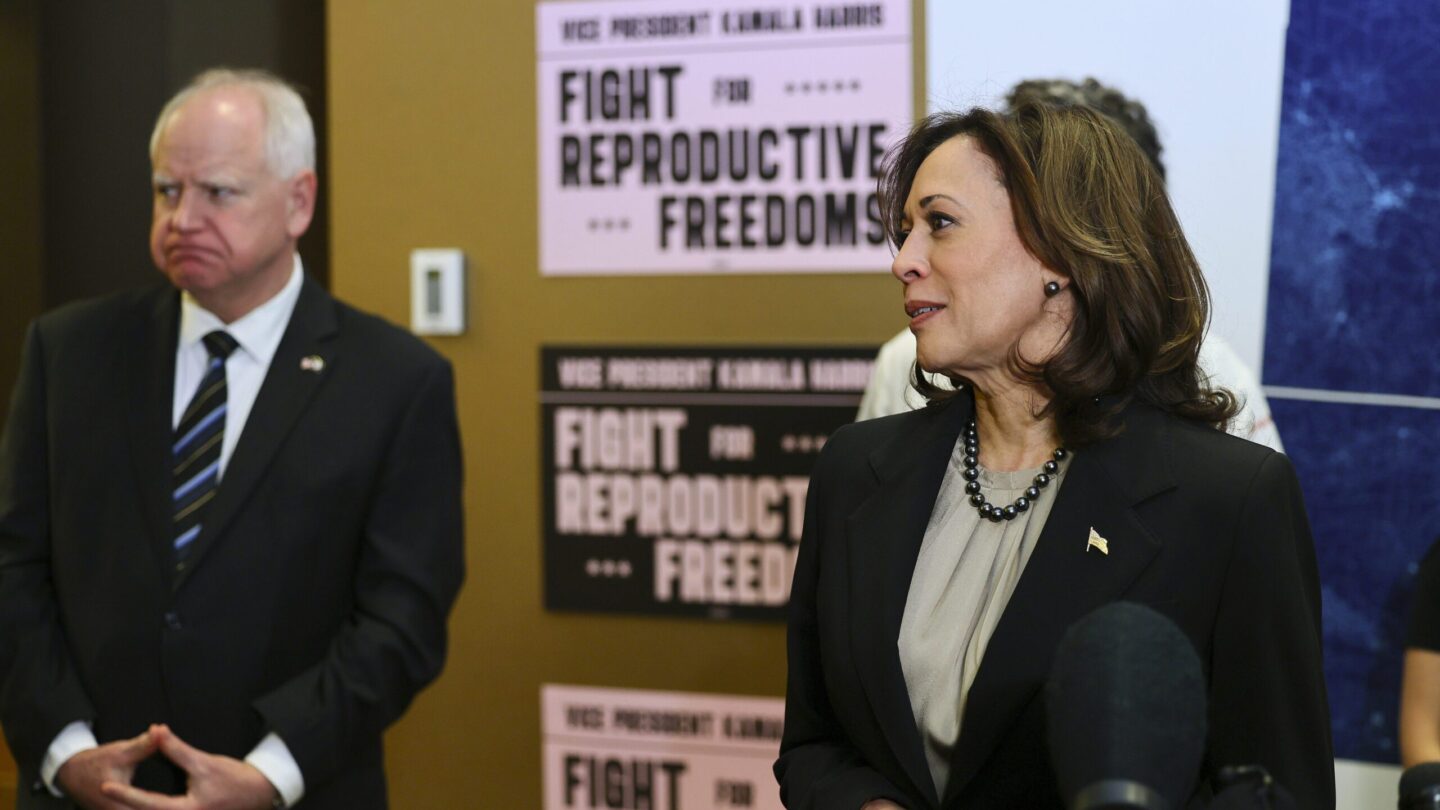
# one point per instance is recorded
(1052, 288)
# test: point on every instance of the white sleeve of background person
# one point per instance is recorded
(1227, 370)
(889, 390)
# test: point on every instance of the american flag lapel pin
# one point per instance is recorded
(1097, 542)
(313, 363)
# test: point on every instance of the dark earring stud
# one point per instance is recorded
(1052, 288)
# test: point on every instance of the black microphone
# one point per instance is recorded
(1126, 711)
(1420, 787)
(1249, 787)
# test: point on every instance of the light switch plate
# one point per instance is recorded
(437, 291)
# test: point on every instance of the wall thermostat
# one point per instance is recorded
(437, 291)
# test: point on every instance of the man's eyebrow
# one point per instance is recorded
(225, 181)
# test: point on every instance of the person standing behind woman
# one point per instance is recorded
(1079, 462)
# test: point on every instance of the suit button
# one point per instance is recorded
(172, 620)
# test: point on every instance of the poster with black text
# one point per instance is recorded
(696, 137)
(675, 478)
(640, 749)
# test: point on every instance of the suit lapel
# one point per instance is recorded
(283, 396)
(1065, 579)
(884, 537)
(152, 368)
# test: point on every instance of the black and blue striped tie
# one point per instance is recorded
(195, 452)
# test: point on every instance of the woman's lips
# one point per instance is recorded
(921, 311)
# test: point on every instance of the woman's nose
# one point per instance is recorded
(909, 264)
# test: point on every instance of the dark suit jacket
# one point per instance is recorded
(314, 603)
(1205, 528)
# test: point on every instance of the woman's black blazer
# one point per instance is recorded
(1205, 528)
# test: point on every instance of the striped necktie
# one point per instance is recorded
(195, 451)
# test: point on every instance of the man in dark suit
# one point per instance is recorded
(230, 529)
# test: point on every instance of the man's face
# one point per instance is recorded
(224, 225)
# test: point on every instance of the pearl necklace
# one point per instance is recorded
(993, 513)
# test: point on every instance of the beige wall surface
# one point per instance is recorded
(433, 144)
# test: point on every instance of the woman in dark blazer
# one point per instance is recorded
(947, 550)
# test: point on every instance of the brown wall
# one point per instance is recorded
(432, 135)
(20, 279)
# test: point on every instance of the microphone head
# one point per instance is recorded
(1420, 786)
(1126, 701)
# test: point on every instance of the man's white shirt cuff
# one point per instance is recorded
(272, 758)
(71, 740)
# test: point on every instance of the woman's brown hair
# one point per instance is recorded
(1090, 205)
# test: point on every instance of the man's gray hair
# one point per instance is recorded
(289, 133)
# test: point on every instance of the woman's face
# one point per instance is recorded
(972, 290)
